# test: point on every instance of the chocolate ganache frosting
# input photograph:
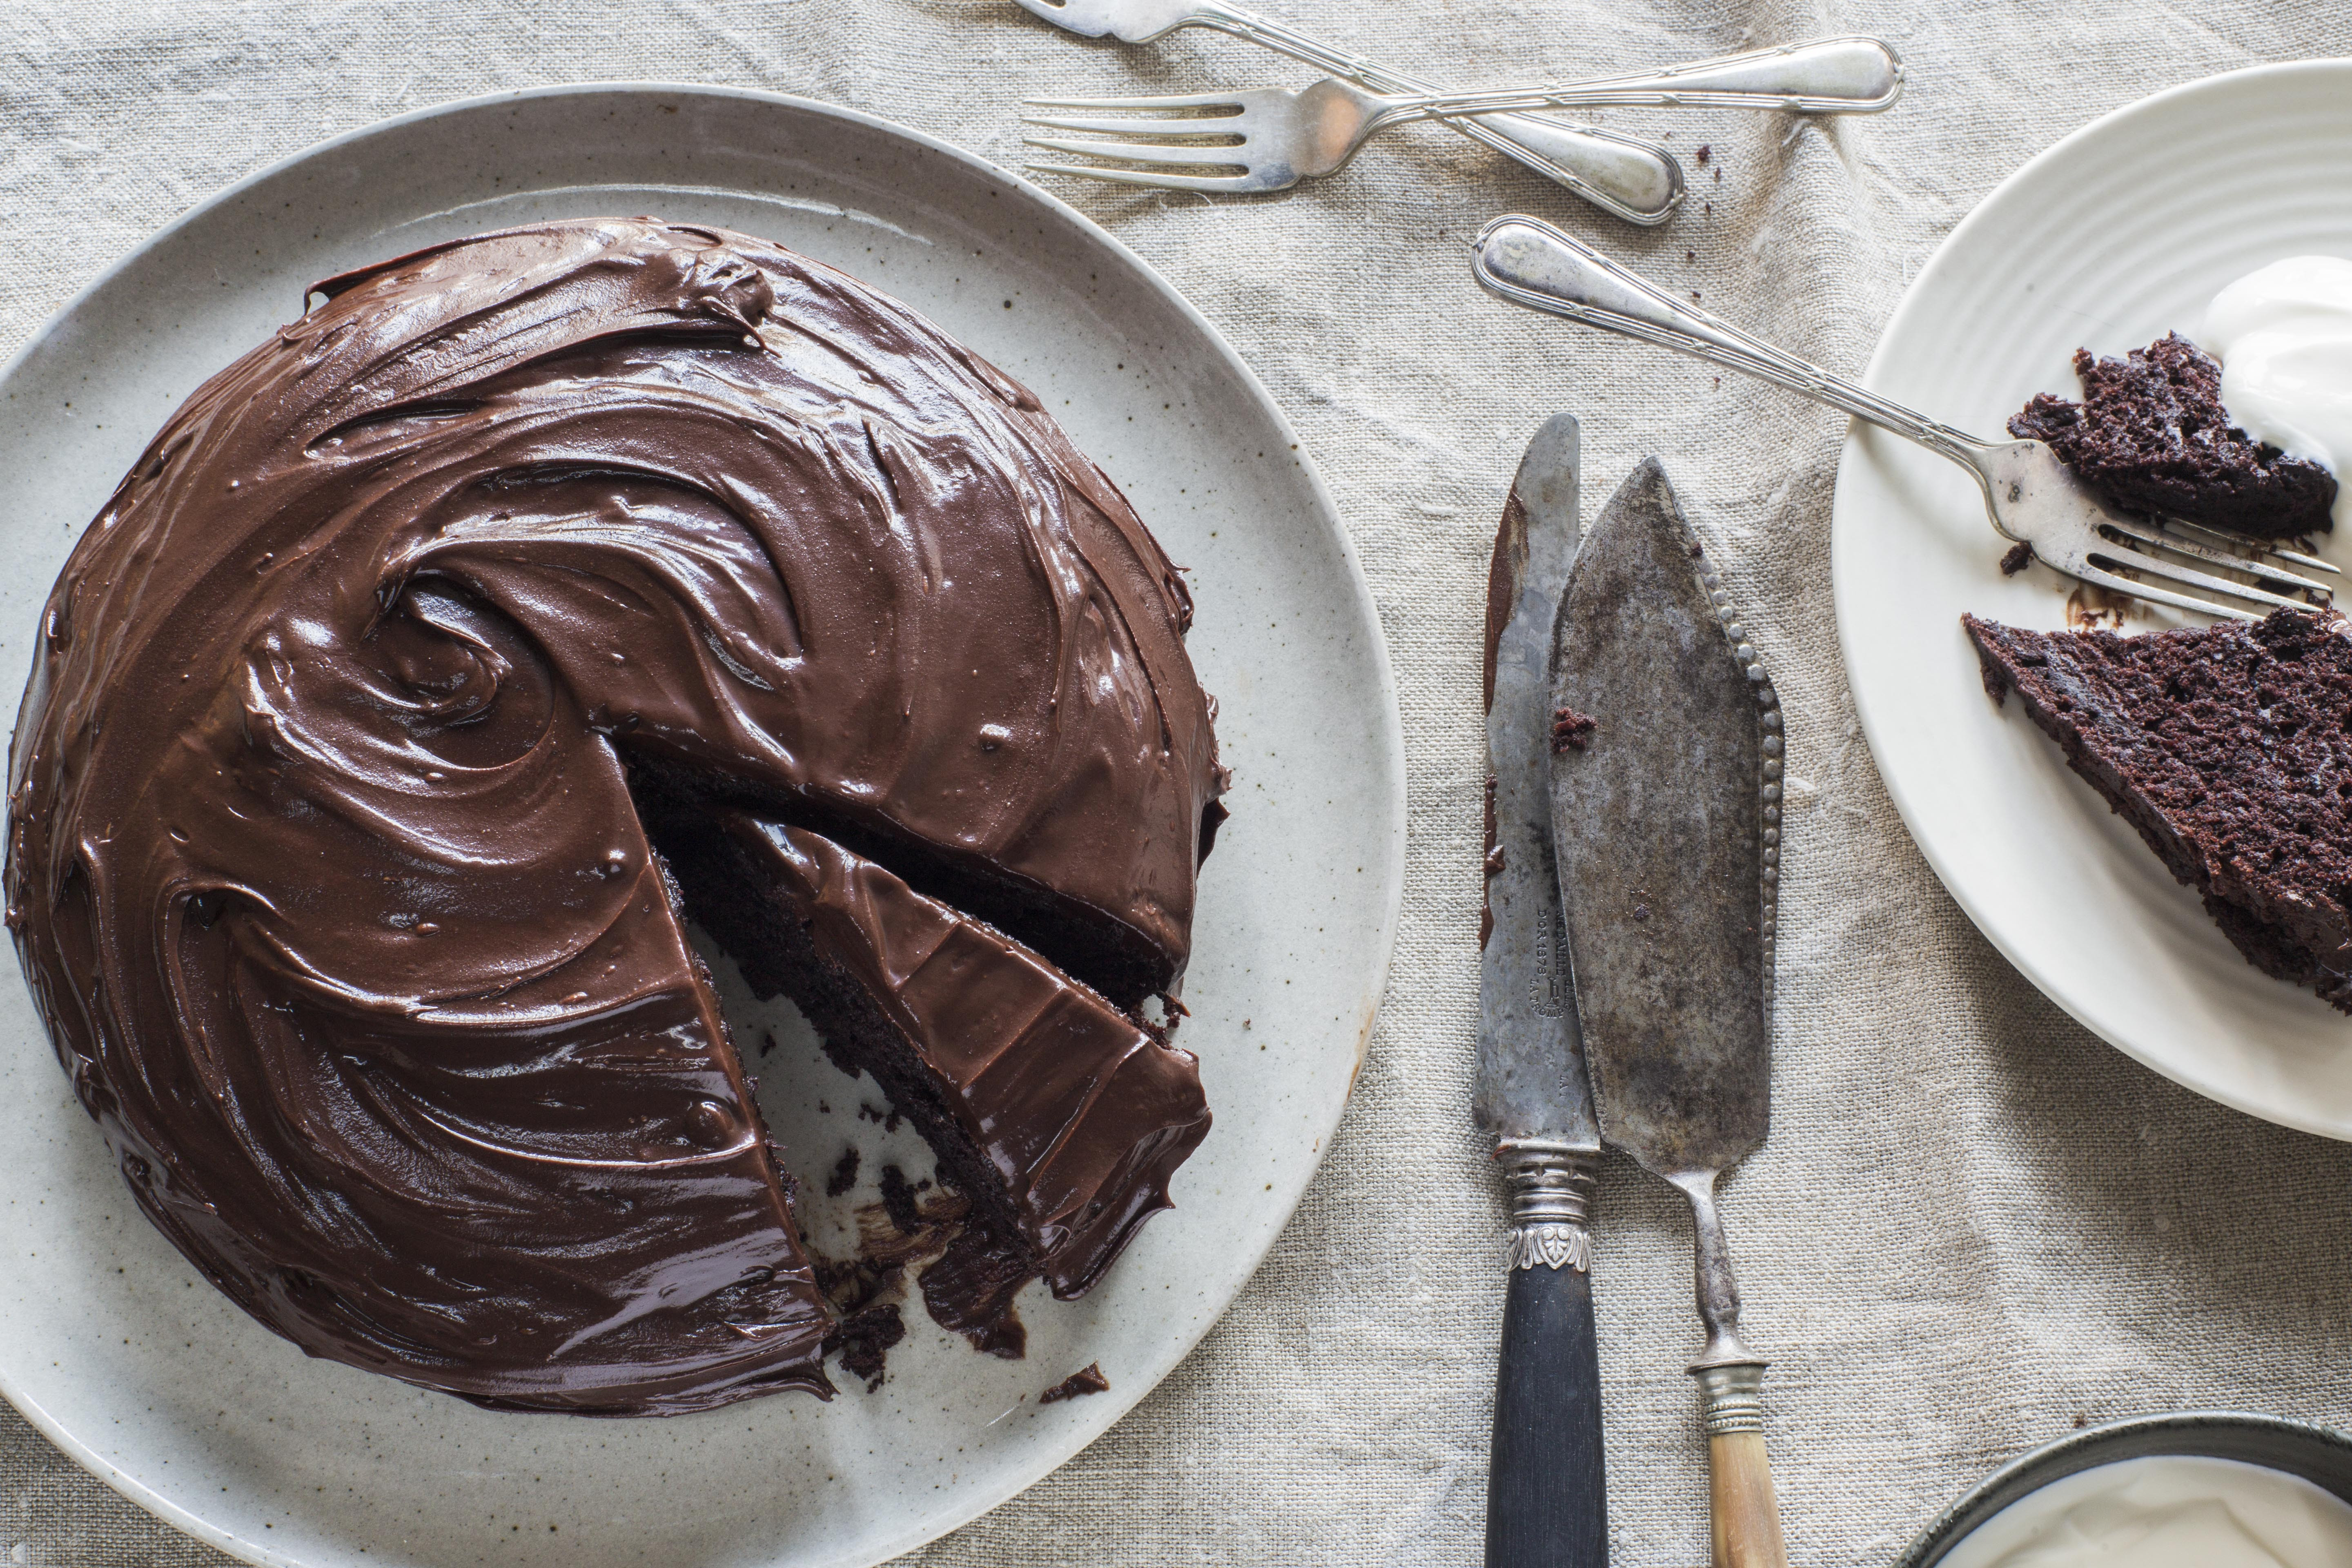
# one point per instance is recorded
(371, 709)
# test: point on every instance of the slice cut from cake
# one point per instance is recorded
(2151, 436)
(2228, 747)
(1058, 1114)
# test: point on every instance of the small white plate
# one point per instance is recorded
(113, 1345)
(2120, 233)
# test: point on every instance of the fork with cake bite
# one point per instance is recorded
(2032, 500)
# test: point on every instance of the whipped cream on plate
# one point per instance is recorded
(2283, 335)
(2165, 1512)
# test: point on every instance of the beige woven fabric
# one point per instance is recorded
(1975, 1227)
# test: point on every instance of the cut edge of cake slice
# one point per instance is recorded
(1059, 1115)
(2227, 748)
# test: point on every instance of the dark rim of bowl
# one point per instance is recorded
(2317, 1454)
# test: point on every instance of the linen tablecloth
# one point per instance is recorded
(1975, 1227)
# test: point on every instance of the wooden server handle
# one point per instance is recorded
(1740, 1478)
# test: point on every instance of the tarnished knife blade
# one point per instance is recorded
(1546, 1491)
(1531, 1081)
(1666, 819)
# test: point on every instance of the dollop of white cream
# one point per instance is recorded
(2283, 335)
(2165, 1512)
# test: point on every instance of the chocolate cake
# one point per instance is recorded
(2230, 748)
(371, 708)
(2150, 435)
(1055, 1112)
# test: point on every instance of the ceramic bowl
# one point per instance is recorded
(2317, 1455)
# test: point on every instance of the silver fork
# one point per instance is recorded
(1278, 137)
(1637, 181)
(2029, 494)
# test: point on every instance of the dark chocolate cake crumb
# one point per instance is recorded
(2018, 559)
(2229, 749)
(971, 1290)
(767, 1044)
(2151, 436)
(864, 1340)
(898, 1201)
(1571, 731)
(1088, 1379)
(845, 1174)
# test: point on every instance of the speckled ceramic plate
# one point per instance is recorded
(114, 1346)
(2118, 234)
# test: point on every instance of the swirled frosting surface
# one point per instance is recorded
(322, 858)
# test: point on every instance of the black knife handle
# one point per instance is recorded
(1546, 1497)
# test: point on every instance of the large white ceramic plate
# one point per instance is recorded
(2118, 234)
(117, 1350)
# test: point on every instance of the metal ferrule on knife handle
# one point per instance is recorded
(1550, 1188)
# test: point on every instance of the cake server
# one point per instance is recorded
(1545, 1500)
(1638, 181)
(2033, 501)
(1665, 791)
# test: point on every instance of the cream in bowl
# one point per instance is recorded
(2166, 1510)
(2190, 1488)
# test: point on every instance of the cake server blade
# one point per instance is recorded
(1545, 1502)
(1665, 822)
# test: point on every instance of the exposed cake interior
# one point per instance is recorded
(1056, 1114)
(2151, 436)
(2229, 749)
(1124, 963)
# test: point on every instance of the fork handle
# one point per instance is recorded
(1532, 264)
(1637, 181)
(1851, 75)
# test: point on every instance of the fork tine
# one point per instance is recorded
(2149, 591)
(1221, 125)
(1226, 183)
(2183, 525)
(1143, 151)
(2156, 566)
(1192, 100)
(2164, 540)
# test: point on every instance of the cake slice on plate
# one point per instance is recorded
(2230, 748)
(2150, 435)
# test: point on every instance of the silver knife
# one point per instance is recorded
(1667, 823)
(1546, 1500)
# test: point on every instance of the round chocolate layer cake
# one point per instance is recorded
(373, 709)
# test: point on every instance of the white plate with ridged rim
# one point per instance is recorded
(2117, 235)
(117, 1350)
